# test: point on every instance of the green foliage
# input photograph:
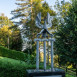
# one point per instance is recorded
(62, 12)
(16, 40)
(46, 8)
(67, 75)
(27, 11)
(9, 37)
(5, 21)
(31, 54)
(32, 7)
(12, 54)
(16, 68)
(66, 38)
(5, 33)
(13, 68)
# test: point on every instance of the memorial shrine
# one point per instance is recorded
(53, 72)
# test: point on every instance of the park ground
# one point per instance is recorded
(15, 66)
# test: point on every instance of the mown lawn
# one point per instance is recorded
(67, 75)
(8, 62)
(13, 68)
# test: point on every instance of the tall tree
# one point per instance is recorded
(66, 42)
(10, 36)
(62, 11)
(5, 21)
(16, 40)
(5, 32)
(27, 12)
(25, 9)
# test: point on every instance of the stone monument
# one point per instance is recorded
(44, 33)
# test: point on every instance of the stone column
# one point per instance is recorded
(44, 40)
(37, 54)
(44, 55)
(52, 65)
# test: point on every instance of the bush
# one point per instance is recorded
(12, 54)
(10, 72)
(13, 68)
(5, 72)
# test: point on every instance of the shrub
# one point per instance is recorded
(5, 52)
(13, 68)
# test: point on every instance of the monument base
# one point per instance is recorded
(47, 73)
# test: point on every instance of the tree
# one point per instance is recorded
(62, 11)
(5, 21)
(16, 39)
(27, 12)
(5, 33)
(66, 38)
(10, 36)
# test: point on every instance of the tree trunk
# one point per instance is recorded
(31, 10)
(8, 42)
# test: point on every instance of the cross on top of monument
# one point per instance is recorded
(47, 24)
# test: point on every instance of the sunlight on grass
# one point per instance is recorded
(1, 57)
(11, 63)
(67, 75)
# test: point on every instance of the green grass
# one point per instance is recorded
(15, 64)
(13, 68)
(12, 64)
(7, 62)
(67, 75)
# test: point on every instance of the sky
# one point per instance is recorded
(6, 6)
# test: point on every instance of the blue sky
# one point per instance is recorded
(6, 6)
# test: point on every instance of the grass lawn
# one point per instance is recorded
(11, 63)
(67, 75)
(7, 62)
(13, 68)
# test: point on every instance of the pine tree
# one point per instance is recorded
(66, 38)
(26, 10)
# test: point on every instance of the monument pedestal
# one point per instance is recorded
(47, 73)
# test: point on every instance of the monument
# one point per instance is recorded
(44, 33)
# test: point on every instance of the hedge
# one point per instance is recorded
(18, 55)
(14, 68)
(12, 72)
